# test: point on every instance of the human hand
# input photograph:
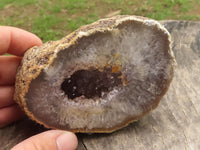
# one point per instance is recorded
(13, 41)
(49, 140)
(16, 41)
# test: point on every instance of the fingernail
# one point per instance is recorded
(67, 141)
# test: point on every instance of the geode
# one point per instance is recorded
(99, 78)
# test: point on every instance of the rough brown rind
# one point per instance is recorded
(38, 58)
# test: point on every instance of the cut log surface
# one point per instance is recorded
(174, 125)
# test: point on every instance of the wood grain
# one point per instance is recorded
(174, 125)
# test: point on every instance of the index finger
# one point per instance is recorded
(16, 41)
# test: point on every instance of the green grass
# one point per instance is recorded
(56, 9)
(166, 8)
(53, 19)
(73, 6)
(3, 3)
(43, 26)
(78, 21)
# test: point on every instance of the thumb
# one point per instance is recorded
(49, 140)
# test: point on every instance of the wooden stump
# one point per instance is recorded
(174, 125)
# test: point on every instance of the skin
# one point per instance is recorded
(16, 41)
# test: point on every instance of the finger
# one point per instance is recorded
(51, 140)
(6, 96)
(16, 41)
(10, 114)
(8, 69)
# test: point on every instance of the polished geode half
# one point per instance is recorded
(99, 78)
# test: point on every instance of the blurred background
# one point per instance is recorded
(53, 19)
